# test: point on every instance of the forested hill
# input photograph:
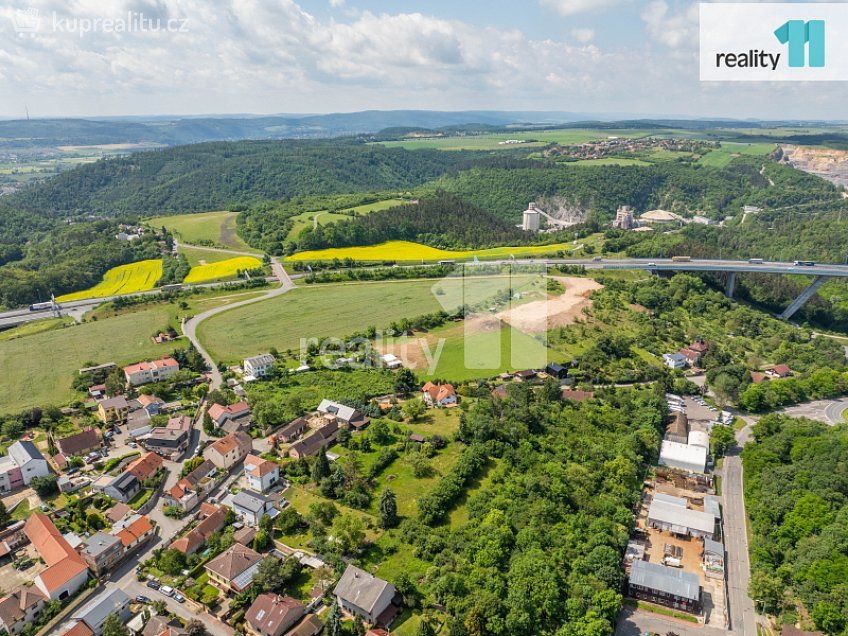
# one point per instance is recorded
(214, 176)
(504, 186)
(444, 221)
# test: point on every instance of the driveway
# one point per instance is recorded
(634, 622)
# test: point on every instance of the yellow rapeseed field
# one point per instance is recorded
(221, 269)
(407, 251)
(124, 279)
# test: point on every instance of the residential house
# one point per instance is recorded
(97, 391)
(273, 615)
(170, 441)
(113, 410)
(500, 392)
(151, 404)
(77, 628)
(699, 346)
(20, 607)
(152, 371)
(94, 614)
(660, 584)
(525, 375)
(677, 429)
(363, 594)
(145, 467)
(693, 358)
(214, 518)
(81, 444)
(231, 418)
(675, 360)
(261, 474)
(778, 371)
(292, 430)
(133, 532)
(189, 490)
(230, 450)
(101, 552)
(66, 571)
(117, 512)
(233, 569)
(391, 361)
(346, 415)
(20, 465)
(320, 438)
(245, 535)
(260, 366)
(123, 487)
(557, 371)
(439, 395)
(163, 626)
(252, 506)
(310, 625)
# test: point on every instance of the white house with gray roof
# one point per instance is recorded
(260, 366)
(361, 593)
(95, 613)
(21, 465)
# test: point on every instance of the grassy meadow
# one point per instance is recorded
(325, 217)
(218, 228)
(338, 310)
(38, 369)
(721, 157)
(124, 279)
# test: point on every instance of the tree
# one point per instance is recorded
(114, 626)
(262, 540)
(208, 424)
(289, 520)
(334, 620)
(45, 485)
(195, 627)
(413, 409)
(721, 439)
(269, 576)
(266, 523)
(405, 382)
(348, 532)
(321, 467)
(388, 508)
(425, 627)
(171, 562)
(4, 515)
(725, 387)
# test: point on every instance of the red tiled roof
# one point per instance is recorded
(135, 530)
(80, 629)
(577, 396)
(259, 467)
(270, 612)
(145, 466)
(438, 392)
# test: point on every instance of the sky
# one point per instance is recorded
(86, 58)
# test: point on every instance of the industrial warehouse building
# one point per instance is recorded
(691, 458)
(664, 585)
(673, 515)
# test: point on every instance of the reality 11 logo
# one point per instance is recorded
(802, 35)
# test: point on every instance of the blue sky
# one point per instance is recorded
(274, 56)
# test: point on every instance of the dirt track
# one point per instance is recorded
(540, 315)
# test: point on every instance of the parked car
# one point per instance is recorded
(154, 585)
(179, 598)
(142, 599)
(132, 445)
(167, 590)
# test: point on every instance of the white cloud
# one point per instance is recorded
(672, 28)
(583, 35)
(571, 7)
(337, 3)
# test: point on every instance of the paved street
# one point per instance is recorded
(827, 411)
(637, 622)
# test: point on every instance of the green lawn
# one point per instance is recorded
(322, 311)
(34, 327)
(214, 227)
(197, 256)
(21, 511)
(37, 370)
(307, 219)
(720, 157)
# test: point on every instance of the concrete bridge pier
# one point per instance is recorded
(731, 285)
(803, 297)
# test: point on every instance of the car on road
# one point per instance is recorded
(652, 264)
(167, 590)
(179, 598)
(154, 585)
(132, 445)
(142, 599)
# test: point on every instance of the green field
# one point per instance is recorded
(37, 370)
(565, 136)
(198, 256)
(124, 279)
(307, 219)
(720, 157)
(222, 269)
(332, 310)
(416, 252)
(218, 228)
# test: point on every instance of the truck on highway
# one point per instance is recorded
(805, 263)
(681, 259)
(755, 261)
(172, 287)
(40, 306)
